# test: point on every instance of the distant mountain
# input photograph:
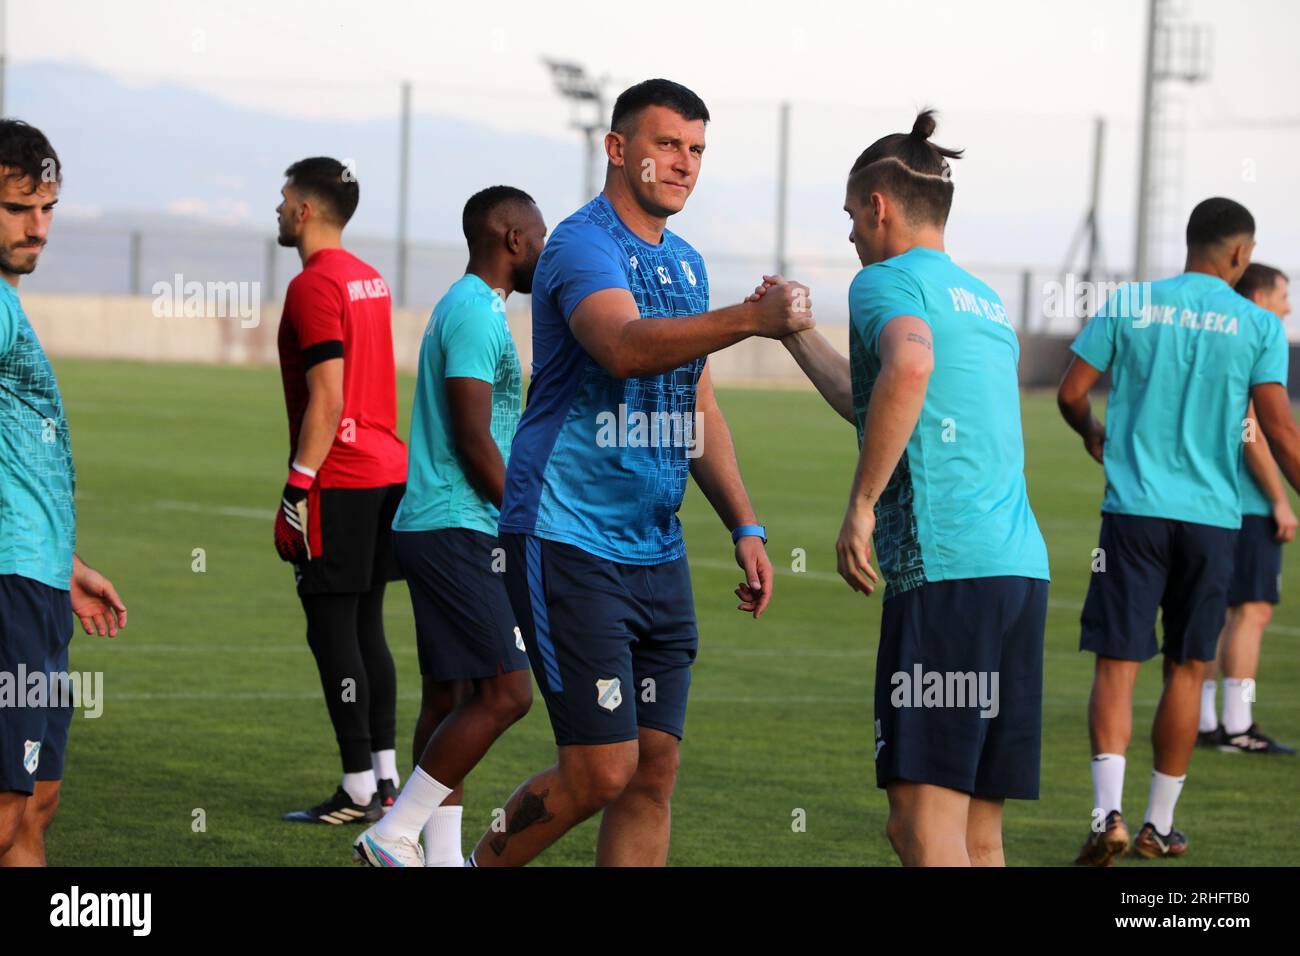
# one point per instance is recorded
(200, 178)
(165, 149)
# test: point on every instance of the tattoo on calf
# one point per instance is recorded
(531, 809)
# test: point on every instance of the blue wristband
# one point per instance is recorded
(749, 531)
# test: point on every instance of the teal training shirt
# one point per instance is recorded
(467, 337)
(1253, 499)
(1183, 354)
(38, 526)
(956, 506)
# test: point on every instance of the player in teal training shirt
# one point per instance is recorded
(932, 388)
(1186, 356)
(1267, 522)
(472, 655)
(43, 582)
(468, 337)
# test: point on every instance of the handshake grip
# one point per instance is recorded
(784, 307)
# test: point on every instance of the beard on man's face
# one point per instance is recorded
(523, 277)
(20, 260)
(286, 239)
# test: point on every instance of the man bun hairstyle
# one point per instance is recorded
(330, 182)
(924, 126)
(911, 169)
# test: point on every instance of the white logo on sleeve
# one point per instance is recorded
(686, 267)
(32, 754)
(609, 694)
(519, 640)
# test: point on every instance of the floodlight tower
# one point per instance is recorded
(1088, 235)
(1178, 55)
(586, 95)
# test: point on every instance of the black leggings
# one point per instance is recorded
(346, 634)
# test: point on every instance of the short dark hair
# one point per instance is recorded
(910, 168)
(480, 206)
(324, 178)
(676, 97)
(1259, 278)
(1216, 219)
(25, 153)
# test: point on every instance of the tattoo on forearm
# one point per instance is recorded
(919, 340)
(531, 809)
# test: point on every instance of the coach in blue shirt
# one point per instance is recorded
(620, 410)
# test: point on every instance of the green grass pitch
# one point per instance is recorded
(212, 702)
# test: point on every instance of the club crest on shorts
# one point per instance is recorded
(32, 754)
(609, 693)
(519, 640)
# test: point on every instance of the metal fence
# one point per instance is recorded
(91, 259)
(1022, 188)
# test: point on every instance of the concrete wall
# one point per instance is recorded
(126, 327)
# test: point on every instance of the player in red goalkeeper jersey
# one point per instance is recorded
(347, 473)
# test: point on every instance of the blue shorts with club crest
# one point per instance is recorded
(464, 627)
(35, 631)
(611, 645)
(959, 686)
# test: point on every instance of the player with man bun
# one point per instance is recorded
(932, 387)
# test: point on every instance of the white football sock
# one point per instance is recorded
(414, 805)
(1209, 717)
(1164, 795)
(1236, 708)
(360, 786)
(385, 765)
(1108, 781)
(442, 838)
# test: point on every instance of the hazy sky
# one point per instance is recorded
(1015, 79)
(1014, 56)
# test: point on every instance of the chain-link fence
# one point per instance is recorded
(202, 205)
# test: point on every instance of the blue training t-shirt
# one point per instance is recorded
(956, 506)
(598, 462)
(467, 337)
(38, 526)
(1183, 354)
